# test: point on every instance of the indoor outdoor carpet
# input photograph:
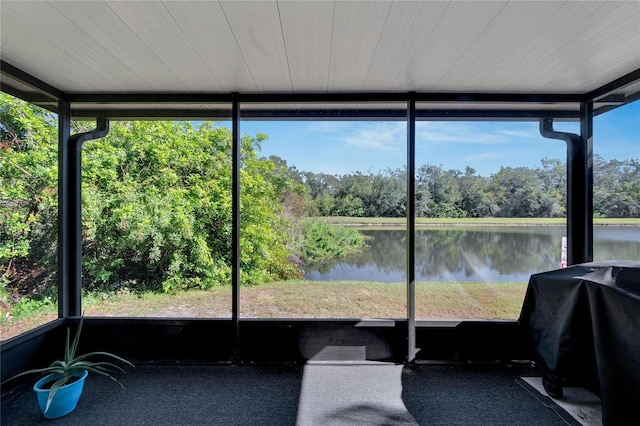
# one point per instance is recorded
(321, 392)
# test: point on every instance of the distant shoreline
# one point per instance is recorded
(500, 221)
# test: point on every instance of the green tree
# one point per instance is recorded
(616, 190)
(28, 196)
(322, 189)
(443, 188)
(518, 192)
(157, 209)
(295, 195)
(553, 178)
(389, 193)
(477, 198)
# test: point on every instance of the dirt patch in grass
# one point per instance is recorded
(10, 327)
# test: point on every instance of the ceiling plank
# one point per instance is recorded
(258, 33)
(33, 41)
(207, 30)
(307, 28)
(162, 38)
(430, 40)
(357, 30)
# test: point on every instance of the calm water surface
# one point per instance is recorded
(471, 254)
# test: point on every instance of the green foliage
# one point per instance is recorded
(155, 200)
(28, 194)
(518, 192)
(442, 189)
(323, 242)
(157, 209)
(29, 306)
(510, 192)
(477, 198)
(616, 188)
(358, 194)
(72, 365)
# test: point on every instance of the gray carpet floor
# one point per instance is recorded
(315, 394)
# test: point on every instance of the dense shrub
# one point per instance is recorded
(156, 206)
(323, 242)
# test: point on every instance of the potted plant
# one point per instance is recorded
(59, 391)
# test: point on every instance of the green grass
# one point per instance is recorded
(305, 299)
(624, 221)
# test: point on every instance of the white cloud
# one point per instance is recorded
(326, 126)
(482, 156)
(384, 136)
(380, 136)
(493, 133)
(391, 136)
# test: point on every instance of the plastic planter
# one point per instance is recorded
(65, 399)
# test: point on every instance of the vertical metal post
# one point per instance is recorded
(68, 302)
(580, 190)
(586, 136)
(574, 190)
(579, 184)
(70, 210)
(411, 210)
(235, 243)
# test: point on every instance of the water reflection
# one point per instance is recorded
(468, 254)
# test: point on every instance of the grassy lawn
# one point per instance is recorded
(306, 299)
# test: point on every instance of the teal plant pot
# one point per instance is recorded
(66, 398)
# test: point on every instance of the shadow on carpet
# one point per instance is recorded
(322, 393)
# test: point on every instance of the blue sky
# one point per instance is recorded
(340, 147)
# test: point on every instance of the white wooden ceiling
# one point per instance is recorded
(213, 47)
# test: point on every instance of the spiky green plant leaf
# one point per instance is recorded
(72, 365)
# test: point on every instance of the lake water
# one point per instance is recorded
(472, 254)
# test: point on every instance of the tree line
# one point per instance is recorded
(439, 192)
